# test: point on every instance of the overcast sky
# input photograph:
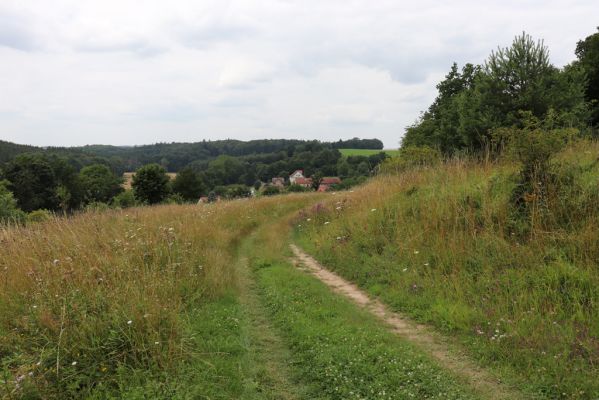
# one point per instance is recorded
(125, 72)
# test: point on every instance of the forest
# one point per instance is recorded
(67, 179)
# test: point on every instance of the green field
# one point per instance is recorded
(368, 152)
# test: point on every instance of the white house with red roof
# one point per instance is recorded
(298, 174)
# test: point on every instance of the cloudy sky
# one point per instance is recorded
(125, 72)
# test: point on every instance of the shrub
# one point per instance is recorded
(411, 157)
(9, 212)
(39, 216)
(271, 191)
(124, 200)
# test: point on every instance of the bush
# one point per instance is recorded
(174, 198)
(9, 212)
(296, 189)
(411, 157)
(39, 216)
(124, 200)
(271, 191)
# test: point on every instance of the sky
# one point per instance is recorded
(126, 72)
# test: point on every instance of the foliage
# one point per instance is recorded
(9, 212)
(587, 52)
(355, 143)
(271, 191)
(479, 99)
(188, 185)
(295, 188)
(99, 183)
(124, 199)
(39, 216)
(151, 184)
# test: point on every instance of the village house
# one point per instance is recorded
(298, 174)
(278, 182)
(303, 182)
(326, 183)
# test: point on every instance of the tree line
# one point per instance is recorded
(65, 180)
(514, 84)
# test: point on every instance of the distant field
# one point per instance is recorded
(367, 152)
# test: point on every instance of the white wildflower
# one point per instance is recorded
(74, 363)
(129, 322)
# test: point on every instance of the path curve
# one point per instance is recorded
(432, 343)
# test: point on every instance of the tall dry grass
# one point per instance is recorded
(84, 298)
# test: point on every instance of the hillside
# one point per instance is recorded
(446, 246)
(203, 301)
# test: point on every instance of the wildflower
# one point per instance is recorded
(416, 252)
(129, 322)
(426, 264)
(74, 363)
(337, 208)
(339, 238)
(405, 269)
(327, 222)
(373, 210)
(56, 262)
(309, 219)
(156, 343)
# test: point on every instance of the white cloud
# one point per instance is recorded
(123, 71)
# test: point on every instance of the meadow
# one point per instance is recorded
(203, 301)
(368, 152)
(446, 246)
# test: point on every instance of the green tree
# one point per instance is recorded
(9, 211)
(188, 184)
(316, 179)
(99, 183)
(587, 51)
(32, 181)
(151, 184)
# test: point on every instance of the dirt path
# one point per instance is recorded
(434, 344)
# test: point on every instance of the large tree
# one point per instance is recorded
(587, 51)
(99, 183)
(151, 184)
(188, 184)
(33, 182)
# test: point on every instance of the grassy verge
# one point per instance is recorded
(443, 246)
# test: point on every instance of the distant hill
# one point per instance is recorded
(10, 150)
(175, 156)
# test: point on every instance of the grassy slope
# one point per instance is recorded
(199, 326)
(367, 152)
(438, 245)
(338, 351)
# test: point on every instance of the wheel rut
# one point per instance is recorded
(422, 336)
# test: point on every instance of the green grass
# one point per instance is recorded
(368, 152)
(342, 352)
(443, 246)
